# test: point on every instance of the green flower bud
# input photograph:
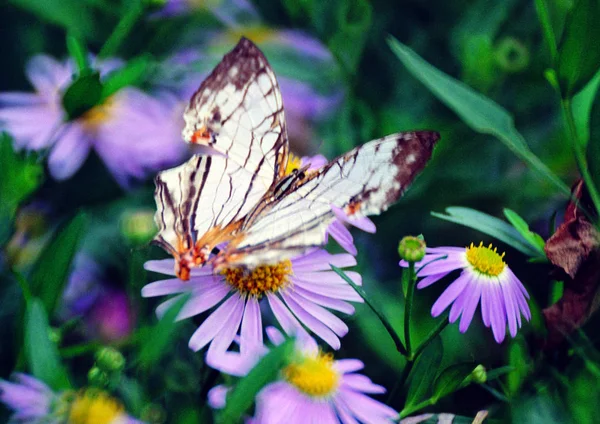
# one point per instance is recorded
(110, 360)
(98, 378)
(412, 249)
(479, 375)
(511, 55)
(138, 226)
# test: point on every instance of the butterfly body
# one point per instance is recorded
(241, 198)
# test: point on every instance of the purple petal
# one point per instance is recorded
(333, 291)
(348, 365)
(343, 412)
(361, 383)
(365, 408)
(321, 260)
(328, 277)
(217, 397)
(451, 263)
(163, 266)
(335, 304)
(497, 314)
(286, 319)
(224, 338)
(203, 299)
(457, 306)
(430, 279)
(450, 294)
(251, 325)
(215, 322)
(511, 308)
(275, 336)
(48, 75)
(69, 152)
(474, 293)
(321, 314)
(342, 235)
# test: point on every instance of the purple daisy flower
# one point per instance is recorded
(299, 292)
(134, 133)
(312, 388)
(485, 279)
(35, 403)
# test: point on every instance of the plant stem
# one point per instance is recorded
(407, 411)
(579, 154)
(122, 30)
(432, 335)
(410, 291)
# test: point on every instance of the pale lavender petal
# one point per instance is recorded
(48, 75)
(335, 304)
(361, 383)
(342, 235)
(314, 162)
(445, 249)
(313, 324)
(361, 222)
(417, 419)
(277, 403)
(283, 315)
(328, 277)
(365, 408)
(203, 299)
(251, 325)
(166, 287)
(217, 397)
(348, 365)
(321, 260)
(510, 306)
(458, 306)
(474, 291)
(330, 320)
(430, 279)
(486, 299)
(514, 280)
(162, 266)
(497, 314)
(449, 264)
(343, 412)
(224, 338)
(450, 294)
(69, 152)
(275, 336)
(17, 98)
(334, 291)
(215, 322)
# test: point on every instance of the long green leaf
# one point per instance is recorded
(130, 74)
(477, 111)
(578, 52)
(240, 399)
(582, 108)
(452, 379)
(42, 354)
(534, 239)
(491, 226)
(424, 373)
(51, 270)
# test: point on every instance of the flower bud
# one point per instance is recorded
(411, 249)
(98, 377)
(110, 360)
(479, 375)
(138, 226)
(511, 55)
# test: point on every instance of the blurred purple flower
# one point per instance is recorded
(485, 278)
(35, 403)
(134, 133)
(106, 311)
(313, 387)
(231, 13)
(299, 292)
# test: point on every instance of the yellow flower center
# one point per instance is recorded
(485, 260)
(314, 376)
(294, 162)
(98, 115)
(260, 280)
(94, 407)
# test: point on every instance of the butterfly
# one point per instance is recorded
(237, 206)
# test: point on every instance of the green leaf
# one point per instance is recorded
(477, 111)
(20, 175)
(578, 52)
(41, 352)
(131, 74)
(452, 379)
(353, 19)
(82, 95)
(519, 360)
(79, 53)
(158, 338)
(547, 29)
(491, 226)
(241, 397)
(51, 271)
(386, 323)
(582, 108)
(424, 373)
(74, 15)
(534, 239)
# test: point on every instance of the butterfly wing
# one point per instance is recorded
(203, 196)
(365, 181)
(238, 111)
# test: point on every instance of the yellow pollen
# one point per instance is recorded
(260, 280)
(485, 260)
(294, 162)
(314, 376)
(98, 115)
(94, 407)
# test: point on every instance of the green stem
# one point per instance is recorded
(407, 411)
(122, 30)
(548, 31)
(410, 291)
(399, 346)
(579, 154)
(80, 349)
(432, 335)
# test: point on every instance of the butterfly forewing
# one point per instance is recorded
(238, 111)
(365, 181)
